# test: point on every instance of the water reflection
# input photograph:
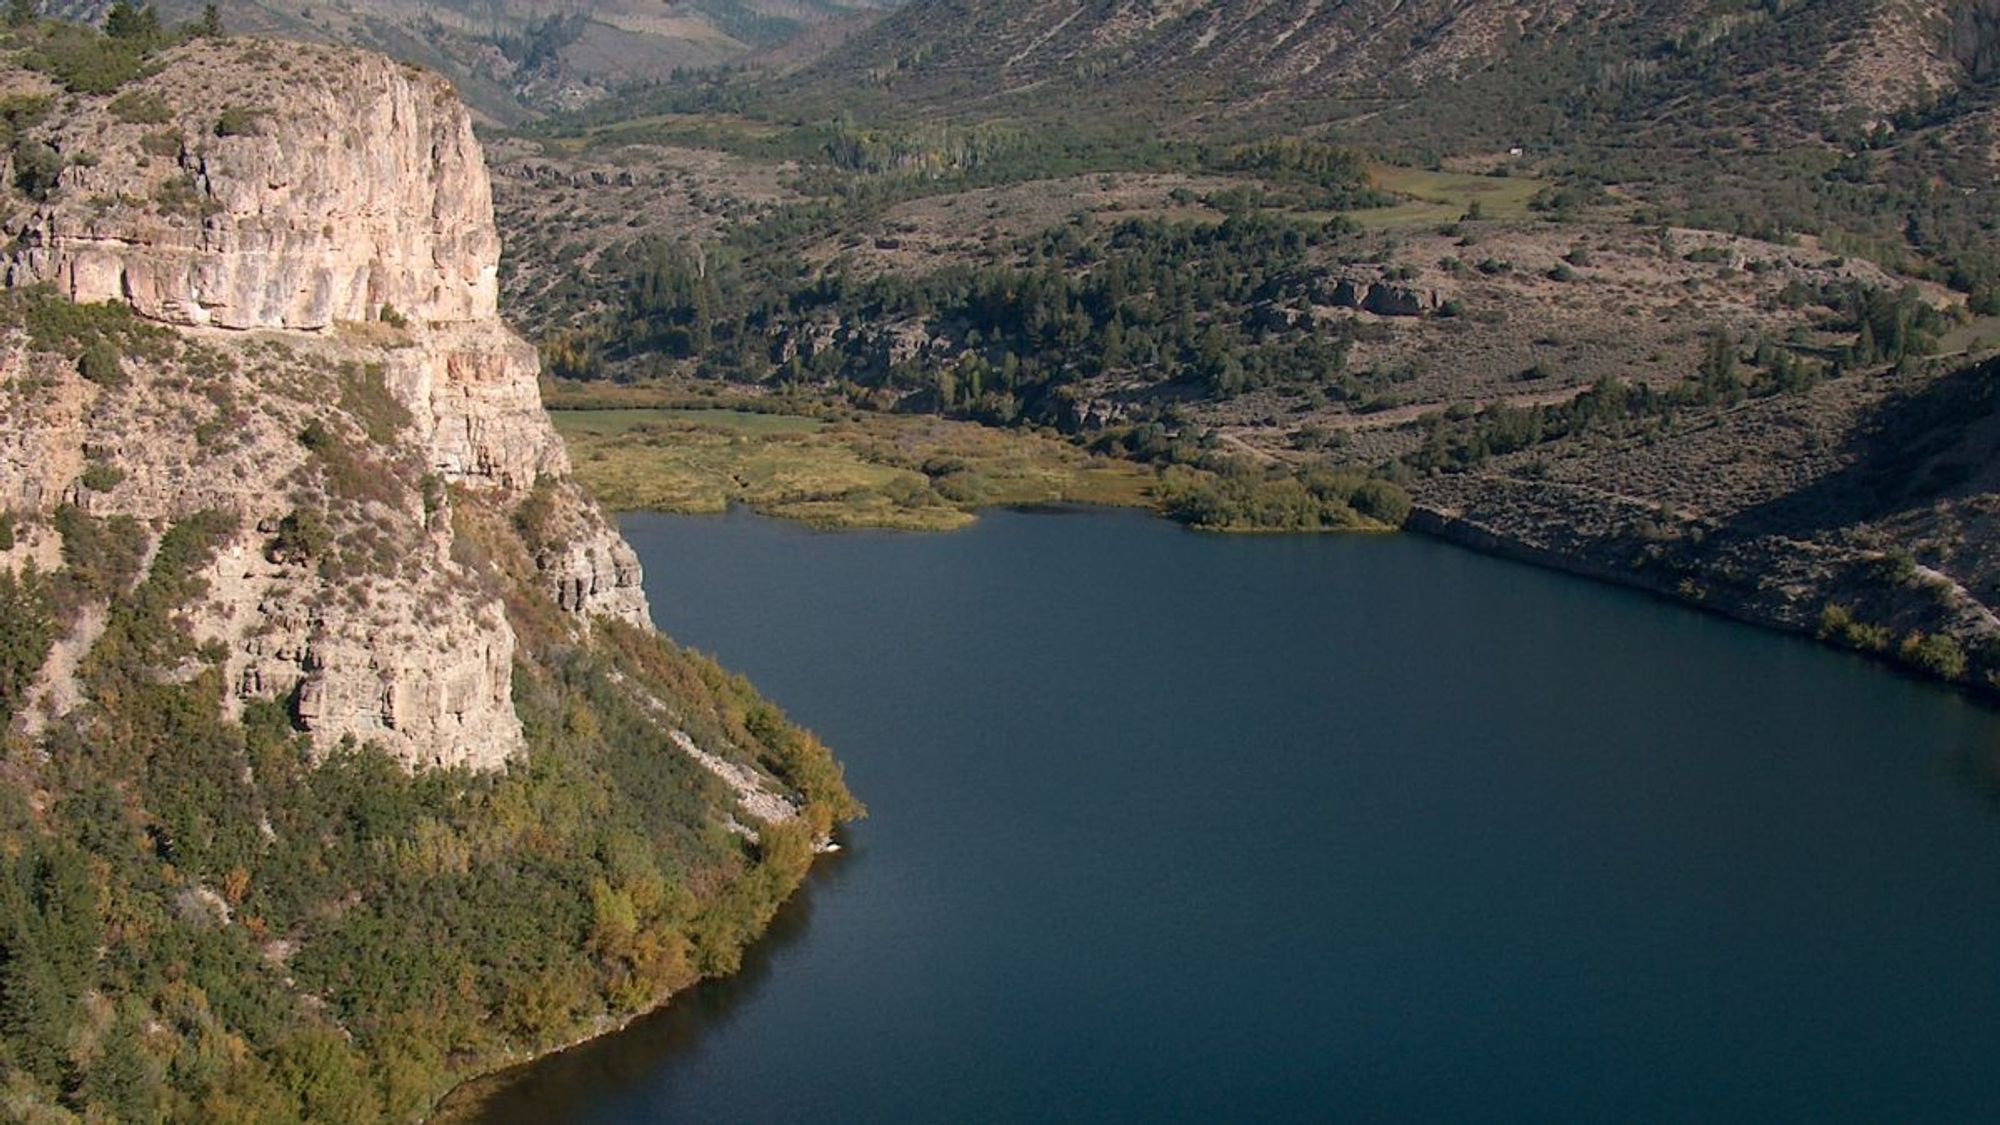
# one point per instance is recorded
(1978, 765)
(1178, 827)
(619, 1069)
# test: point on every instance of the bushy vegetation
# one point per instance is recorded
(1221, 306)
(206, 923)
(236, 121)
(204, 917)
(1242, 498)
(87, 61)
(27, 628)
(141, 108)
(1891, 326)
(69, 329)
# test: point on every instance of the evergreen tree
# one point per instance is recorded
(127, 20)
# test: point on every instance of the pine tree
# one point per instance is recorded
(127, 21)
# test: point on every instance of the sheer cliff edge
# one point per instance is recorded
(319, 222)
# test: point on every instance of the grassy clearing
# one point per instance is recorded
(1436, 198)
(607, 422)
(1976, 336)
(908, 473)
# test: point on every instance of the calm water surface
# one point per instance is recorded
(1179, 827)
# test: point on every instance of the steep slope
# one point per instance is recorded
(1780, 117)
(1200, 56)
(339, 749)
(511, 60)
(1227, 51)
(388, 215)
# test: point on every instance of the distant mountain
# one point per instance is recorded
(1347, 58)
(513, 58)
(1878, 119)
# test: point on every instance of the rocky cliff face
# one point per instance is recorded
(342, 187)
(318, 234)
(260, 546)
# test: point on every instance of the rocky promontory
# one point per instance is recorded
(339, 759)
(333, 214)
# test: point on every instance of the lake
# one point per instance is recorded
(1167, 826)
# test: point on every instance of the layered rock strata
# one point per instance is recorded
(324, 238)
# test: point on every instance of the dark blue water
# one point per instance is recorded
(1181, 827)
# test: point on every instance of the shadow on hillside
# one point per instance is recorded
(1938, 442)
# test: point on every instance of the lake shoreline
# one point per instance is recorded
(465, 1101)
(1596, 559)
(1608, 562)
(1547, 844)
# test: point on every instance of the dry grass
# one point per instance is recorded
(909, 473)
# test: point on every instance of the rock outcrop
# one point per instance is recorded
(324, 249)
(1379, 297)
(352, 187)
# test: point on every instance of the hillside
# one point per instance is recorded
(341, 761)
(1224, 59)
(1602, 285)
(1796, 116)
(511, 61)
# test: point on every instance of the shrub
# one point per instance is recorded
(141, 107)
(365, 397)
(1938, 654)
(1382, 502)
(164, 142)
(1838, 625)
(315, 436)
(27, 629)
(535, 519)
(59, 325)
(100, 477)
(37, 170)
(180, 195)
(302, 535)
(19, 113)
(236, 121)
(86, 62)
(101, 364)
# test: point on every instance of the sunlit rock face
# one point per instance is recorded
(321, 216)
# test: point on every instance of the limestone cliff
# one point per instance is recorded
(339, 762)
(318, 230)
(287, 197)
